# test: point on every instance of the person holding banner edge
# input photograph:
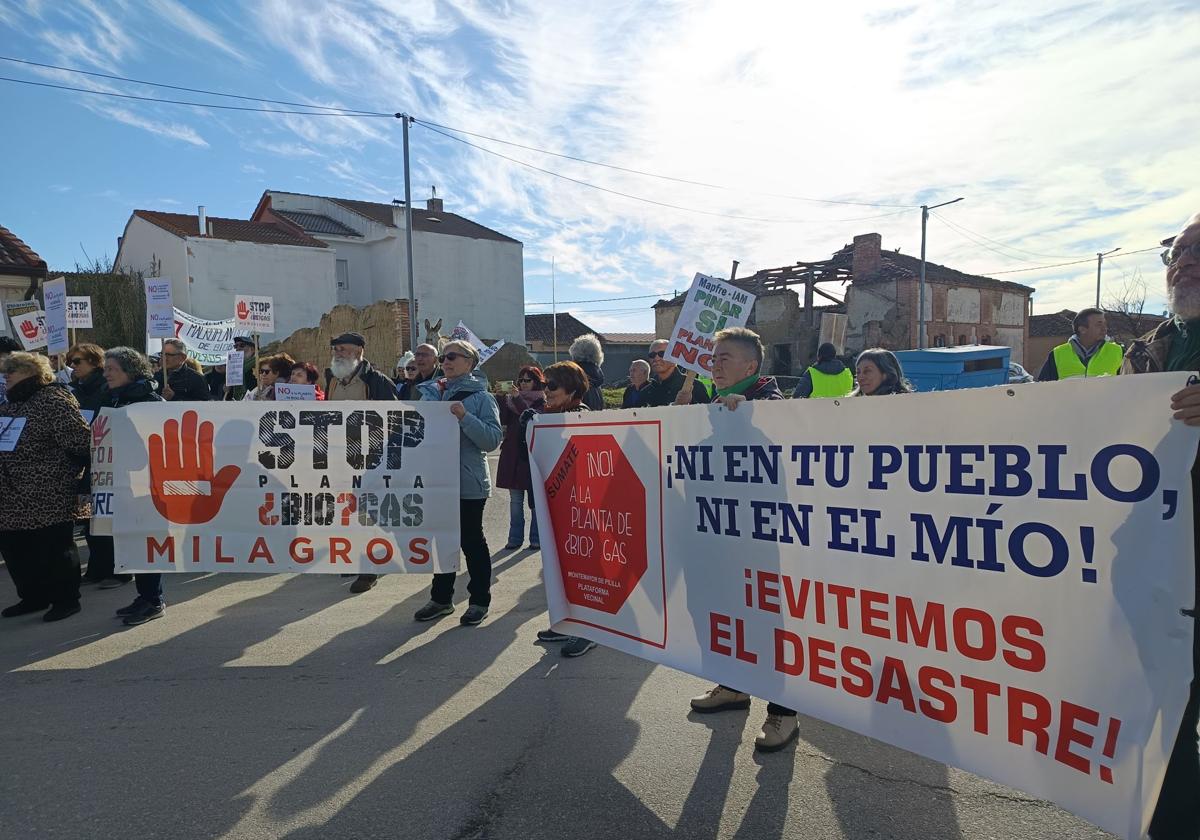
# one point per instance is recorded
(41, 470)
(129, 379)
(737, 357)
(465, 388)
(1174, 345)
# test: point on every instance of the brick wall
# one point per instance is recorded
(383, 324)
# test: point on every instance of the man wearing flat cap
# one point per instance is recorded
(351, 377)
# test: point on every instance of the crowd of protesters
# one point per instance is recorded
(43, 478)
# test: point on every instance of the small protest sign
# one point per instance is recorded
(254, 314)
(710, 306)
(235, 368)
(79, 312)
(287, 392)
(160, 314)
(54, 293)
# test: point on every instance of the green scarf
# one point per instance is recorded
(739, 387)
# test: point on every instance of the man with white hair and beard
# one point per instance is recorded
(351, 377)
(1175, 346)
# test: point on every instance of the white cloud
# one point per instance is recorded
(251, 169)
(170, 130)
(190, 23)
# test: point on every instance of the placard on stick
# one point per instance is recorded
(710, 306)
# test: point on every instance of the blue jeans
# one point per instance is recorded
(516, 518)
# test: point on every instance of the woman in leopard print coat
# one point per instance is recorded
(44, 454)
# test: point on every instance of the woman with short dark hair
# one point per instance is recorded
(87, 375)
(566, 385)
(512, 471)
(40, 481)
(306, 373)
(271, 369)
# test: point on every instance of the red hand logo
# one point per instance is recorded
(178, 473)
(99, 430)
(29, 329)
(243, 310)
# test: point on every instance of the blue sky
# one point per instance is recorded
(1069, 128)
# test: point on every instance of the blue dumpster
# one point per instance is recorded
(951, 368)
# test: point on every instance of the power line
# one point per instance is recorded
(643, 173)
(1060, 265)
(975, 241)
(653, 201)
(966, 230)
(189, 104)
(348, 111)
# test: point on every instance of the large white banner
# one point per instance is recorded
(362, 487)
(974, 576)
(208, 342)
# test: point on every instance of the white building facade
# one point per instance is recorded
(232, 257)
(462, 270)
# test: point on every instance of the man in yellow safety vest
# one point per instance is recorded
(829, 377)
(1090, 352)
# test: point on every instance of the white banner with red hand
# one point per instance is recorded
(1001, 592)
(365, 487)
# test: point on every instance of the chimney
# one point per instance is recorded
(203, 220)
(209, 230)
(867, 257)
(434, 205)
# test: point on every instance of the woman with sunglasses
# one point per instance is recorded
(406, 377)
(478, 417)
(566, 386)
(272, 369)
(512, 473)
(87, 376)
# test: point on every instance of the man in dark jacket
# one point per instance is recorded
(737, 356)
(176, 381)
(668, 380)
(1175, 346)
(244, 344)
(351, 377)
(829, 377)
(639, 381)
(426, 359)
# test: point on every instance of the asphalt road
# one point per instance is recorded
(285, 707)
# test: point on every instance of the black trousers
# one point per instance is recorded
(101, 557)
(43, 563)
(479, 558)
(1177, 815)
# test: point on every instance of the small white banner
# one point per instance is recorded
(31, 329)
(235, 368)
(160, 314)
(254, 314)
(711, 305)
(287, 392)
(54, 295)
(79, 312)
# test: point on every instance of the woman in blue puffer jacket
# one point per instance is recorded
(465, 388)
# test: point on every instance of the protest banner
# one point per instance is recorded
(287, 392)
(102, 473)
(1011, 609)
(260, 487)
(160, 314)
(235, 368)
(54, 295)
(79, 312)
(208, 342)
(30, 328)
(10, 432)
(463, 333)
(710, 306)
(16, 308)
(254, 314)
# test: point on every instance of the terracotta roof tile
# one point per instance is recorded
(628, 338)
(18, 258)
(237, 230)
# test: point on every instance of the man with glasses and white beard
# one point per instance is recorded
(351, 377)
(1175, 346)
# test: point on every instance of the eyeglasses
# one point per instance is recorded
(265, 371)
(411, 369)
(1173, 255)
(450, 357)
(172, 355)
(525, 379)
(553, 386)
(657, 354)
(75, 361)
